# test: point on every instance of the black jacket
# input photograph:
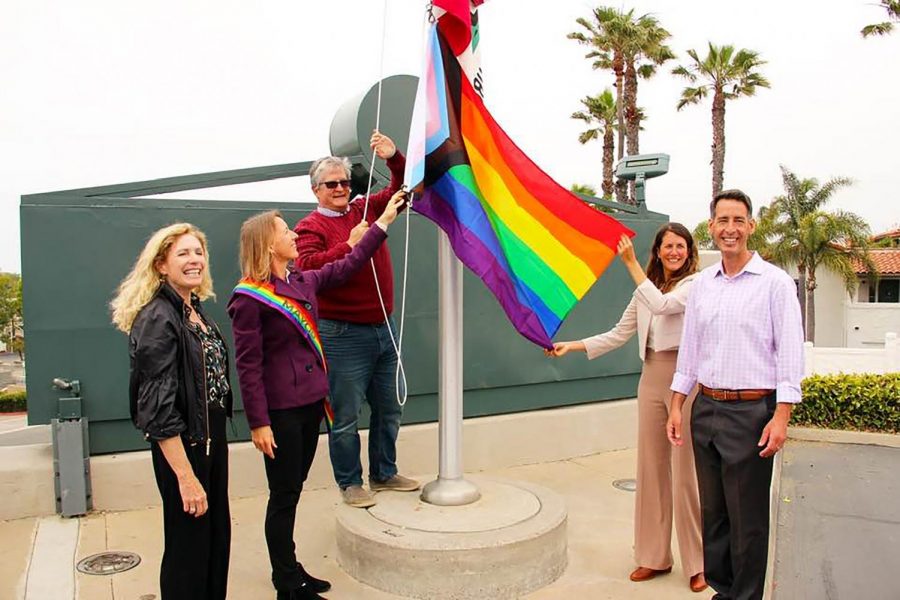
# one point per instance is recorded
(167, 389)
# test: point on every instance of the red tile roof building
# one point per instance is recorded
(887, 262)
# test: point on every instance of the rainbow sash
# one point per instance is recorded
(299, 316)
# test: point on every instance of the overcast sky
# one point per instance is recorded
(108, 91)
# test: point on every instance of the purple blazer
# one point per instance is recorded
(277, 367)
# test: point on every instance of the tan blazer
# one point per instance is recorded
(646, 302)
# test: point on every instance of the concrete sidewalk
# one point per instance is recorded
(599, 543)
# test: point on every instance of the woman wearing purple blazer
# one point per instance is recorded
(282, 371)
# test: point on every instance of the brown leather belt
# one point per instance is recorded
(730, 395)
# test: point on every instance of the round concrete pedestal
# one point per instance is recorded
(509, 542)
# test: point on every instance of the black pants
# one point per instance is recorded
(296, 432)
(197, 549)
(734, 486)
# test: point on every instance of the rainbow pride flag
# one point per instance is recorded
(536, 246)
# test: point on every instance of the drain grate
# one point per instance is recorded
(626, 485)
(108, 563)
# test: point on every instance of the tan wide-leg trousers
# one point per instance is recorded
(666, 477)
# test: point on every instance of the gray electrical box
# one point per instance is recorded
(71, 458)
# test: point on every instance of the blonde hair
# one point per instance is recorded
(257, 235)
(142, 283)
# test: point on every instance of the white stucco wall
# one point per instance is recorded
(882, 359)
(868, 322)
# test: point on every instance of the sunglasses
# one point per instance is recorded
(344, 183)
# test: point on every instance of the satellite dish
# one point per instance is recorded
(354, 121)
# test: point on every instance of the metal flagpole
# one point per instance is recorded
(450, 488)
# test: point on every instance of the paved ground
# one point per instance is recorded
(14, 431)
(839, 522)
(12, 370)
(599, 537)
(838, 533)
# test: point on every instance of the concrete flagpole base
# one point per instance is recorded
(509, 542)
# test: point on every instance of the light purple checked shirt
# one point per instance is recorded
(742, 332)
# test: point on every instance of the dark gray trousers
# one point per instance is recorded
(197, 549)
(296, 432)
(734, 484)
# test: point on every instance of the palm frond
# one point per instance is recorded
(586, 136)
(877, 29)
(692, 95)
(646, 71)
(683, 71)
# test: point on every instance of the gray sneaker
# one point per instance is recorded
(397, 483)
(357, 496)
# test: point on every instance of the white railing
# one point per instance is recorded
(825, 361)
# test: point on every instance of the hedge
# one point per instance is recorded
(12, 402)
(860, 402)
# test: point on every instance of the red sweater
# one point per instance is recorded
(323, 239)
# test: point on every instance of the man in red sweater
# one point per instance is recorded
(356, 329)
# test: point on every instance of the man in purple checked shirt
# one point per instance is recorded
(743, 344)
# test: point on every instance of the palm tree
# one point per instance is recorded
(893, 10)
(600, 110)
(730, 75)
(608, 41)
(800, 233)
(645, 52)
(585, 189)
(801, 198)
(702, 238)
(835, 241)
(629, 46)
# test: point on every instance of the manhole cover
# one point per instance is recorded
(108, 563)
(627, 485)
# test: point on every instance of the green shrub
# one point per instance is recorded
(861, 402)
(12, 402)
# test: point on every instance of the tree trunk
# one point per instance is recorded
(801, 295)
(619, 70)
(718, 145)
(632, 120)
(608, 149)
(811, 306)
(632, 117)
(621, 191)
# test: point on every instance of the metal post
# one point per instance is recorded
(639, 191)
(450, 488)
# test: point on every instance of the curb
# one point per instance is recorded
(840, 436)
(774, 503)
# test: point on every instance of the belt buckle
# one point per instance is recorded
(726, 398)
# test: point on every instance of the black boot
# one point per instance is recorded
(304, 592)
(317, 585)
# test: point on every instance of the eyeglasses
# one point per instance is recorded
(344, 183)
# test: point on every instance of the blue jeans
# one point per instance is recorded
(362, 365)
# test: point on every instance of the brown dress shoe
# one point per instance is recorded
(698, 582)
(645, 573)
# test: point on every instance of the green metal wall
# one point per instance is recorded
(78, 245)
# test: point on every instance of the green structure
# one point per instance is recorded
(77, 245)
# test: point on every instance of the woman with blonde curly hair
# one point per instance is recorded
(180, 396)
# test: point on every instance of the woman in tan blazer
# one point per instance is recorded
(666, 479)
